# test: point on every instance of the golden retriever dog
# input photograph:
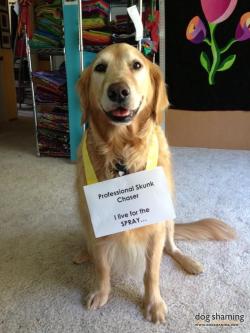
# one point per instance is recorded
(123, 96)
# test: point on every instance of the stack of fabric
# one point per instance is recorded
(50, 86)
(56, 120)
(96, 33)
(53, 132)
(49, 27)
(51, 98)
(123, 30)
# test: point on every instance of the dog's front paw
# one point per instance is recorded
(156, 311)
(97, 300)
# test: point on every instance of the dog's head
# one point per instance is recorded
(120, 84)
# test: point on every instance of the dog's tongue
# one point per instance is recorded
(120, 112)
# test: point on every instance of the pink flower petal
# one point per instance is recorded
(217, 11)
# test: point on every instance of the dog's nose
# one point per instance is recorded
(118, 92)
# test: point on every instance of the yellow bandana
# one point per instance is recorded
(91, 178)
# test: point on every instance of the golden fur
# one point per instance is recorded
(109, 142)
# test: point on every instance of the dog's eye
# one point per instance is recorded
(101, 68)
(137, 65)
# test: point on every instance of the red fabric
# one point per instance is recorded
(20, 48)
(24, 18)
(152, 25)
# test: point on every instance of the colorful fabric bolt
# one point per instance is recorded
(49, 28)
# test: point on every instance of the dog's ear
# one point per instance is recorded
(160, 100)
(83, 88)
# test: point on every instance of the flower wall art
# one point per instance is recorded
(220, 58)
(193, 59)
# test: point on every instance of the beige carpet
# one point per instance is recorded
(42, 291)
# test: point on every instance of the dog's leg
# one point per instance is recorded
(154, 306)
(100, 297)
(190, 265)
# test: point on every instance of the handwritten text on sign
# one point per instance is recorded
(129, 202)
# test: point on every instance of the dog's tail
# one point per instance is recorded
(207, 229)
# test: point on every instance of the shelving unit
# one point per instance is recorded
(52, 139)
(49, 51)
(108, 29)
(49, 97)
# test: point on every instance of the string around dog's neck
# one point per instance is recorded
(91, 178)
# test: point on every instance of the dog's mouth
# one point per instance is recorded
(122, 114)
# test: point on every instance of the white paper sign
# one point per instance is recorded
(135, 17)
(129, 202)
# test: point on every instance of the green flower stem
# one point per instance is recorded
(227, 47)
(207, 41)
(216, 54)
